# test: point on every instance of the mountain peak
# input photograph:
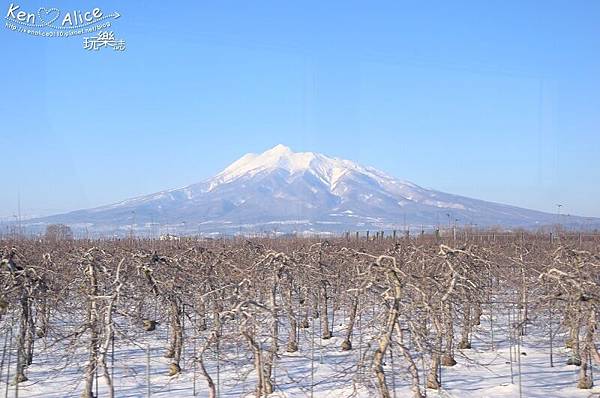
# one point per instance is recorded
(279, 149)
(327, 169)
(278, 157)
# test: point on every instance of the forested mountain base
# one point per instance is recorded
(300, 317)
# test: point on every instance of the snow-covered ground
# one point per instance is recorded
(319, 369)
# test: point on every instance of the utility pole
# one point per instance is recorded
(19, 211)
(454, 230)
(131, 233)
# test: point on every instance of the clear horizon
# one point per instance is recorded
(494, 102)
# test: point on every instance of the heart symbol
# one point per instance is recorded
(48, 15)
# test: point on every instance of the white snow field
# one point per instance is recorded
(319, 369)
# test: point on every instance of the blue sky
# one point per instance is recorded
(495, 100)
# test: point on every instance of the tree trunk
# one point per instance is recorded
(412, 368)
(258, 364)
(324, 317)
(24, 340)
(465, 340)
(175, 345)
(433, 381)
(347, 343)
(92, 324)
(210, 384)
(448, 356)
(386, 337)
(272, 354)
(585, 380)
(292, 344)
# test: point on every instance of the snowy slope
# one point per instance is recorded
(289, 191)
(319, 369)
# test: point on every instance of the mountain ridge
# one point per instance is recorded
(295, 192)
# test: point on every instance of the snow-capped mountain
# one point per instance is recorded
(287, 191)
